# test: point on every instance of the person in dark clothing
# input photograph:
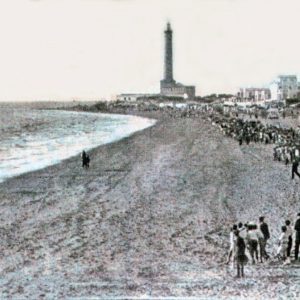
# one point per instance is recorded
(240, 255)
(291, 155)
(295, 169)
(264, 228)
(85, 160)
(83, 157)
(297, 239)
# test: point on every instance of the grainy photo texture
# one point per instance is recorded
(149, 149)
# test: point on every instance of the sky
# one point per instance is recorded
(95, 49)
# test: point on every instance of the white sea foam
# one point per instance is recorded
(34, 139)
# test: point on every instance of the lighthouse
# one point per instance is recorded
(168, 61)
(168, 86)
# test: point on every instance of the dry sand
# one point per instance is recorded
(149, 218)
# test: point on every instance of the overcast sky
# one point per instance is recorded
(85, 49)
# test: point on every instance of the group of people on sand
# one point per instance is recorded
(287, 141)
(250, 240)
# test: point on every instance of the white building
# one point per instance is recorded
(132, 97)
(284, 87)
(254, 94)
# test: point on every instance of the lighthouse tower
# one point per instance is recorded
(168, 72)
(168, 86)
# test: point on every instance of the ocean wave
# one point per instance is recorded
(39, 145)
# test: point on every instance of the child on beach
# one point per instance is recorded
(232, 243)
(282, 243)
(240, 256)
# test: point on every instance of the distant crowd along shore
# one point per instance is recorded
(250, 240)
(286, 140)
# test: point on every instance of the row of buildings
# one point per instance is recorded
(284, 87)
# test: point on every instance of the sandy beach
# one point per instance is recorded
(150, 218)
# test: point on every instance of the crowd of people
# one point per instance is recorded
(250, 241)
(286, 140)
(183, 112)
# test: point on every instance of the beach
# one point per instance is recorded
(151, 218)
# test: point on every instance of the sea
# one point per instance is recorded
(32, 139)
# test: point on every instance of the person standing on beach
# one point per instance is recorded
(232, 243)
(85, 160)
(295, 168)
(297, 239)
(264, 228)
(289, 232)
(282, 244)
(240, 255)
(252, 239)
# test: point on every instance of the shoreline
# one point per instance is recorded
(4, 180)
(150, 217)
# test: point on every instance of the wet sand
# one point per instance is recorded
(149, 218)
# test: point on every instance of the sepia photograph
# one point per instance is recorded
(149, 149)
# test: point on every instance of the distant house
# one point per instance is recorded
(284, 87)
(132, 97)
